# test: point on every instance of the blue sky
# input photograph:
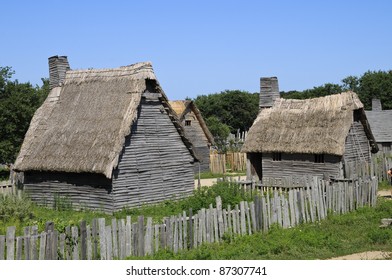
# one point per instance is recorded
(202, 47)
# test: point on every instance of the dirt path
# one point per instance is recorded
(370, 255)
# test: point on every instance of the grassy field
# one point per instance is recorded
(337, 235)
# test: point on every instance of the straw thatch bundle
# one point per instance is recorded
(81, 127)
(317, 126)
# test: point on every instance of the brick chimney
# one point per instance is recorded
(58, 65)
(269, 92)
(376, 105)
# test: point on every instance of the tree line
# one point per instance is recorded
(224, 112)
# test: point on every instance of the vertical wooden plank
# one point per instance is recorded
(264, 215)
(208, 224)
(195, 230)
(75, 243)
(148, 238)
(221, 222)
(229, 219)
(185, 230)
(128, 236)
(19, 246)
(10, 241)
(94, 233)
(124, 239)
(83, 240)
(135, 239)
(179, 231)
(42, 246)
(102, 238)
(156, 237)
(252, 212)
(215, 225)
(225, 226)
(169, 234)
(33, 247)
(234, 218)
(89, 243)
(191, 230)
(115, 239)
(48, 250)
(278, 205)
(242, 217)
(26, 231)
(291, 208)
(55, 241)
(2, 247)
(247, 214)
(141, 236)
(109, 246)
(175, 236)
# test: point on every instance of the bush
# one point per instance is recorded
(15, 207)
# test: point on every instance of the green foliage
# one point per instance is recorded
(372, 84)
(18, 102)
(230, 193)
(220, 131)
(234, 108)
(13, 207)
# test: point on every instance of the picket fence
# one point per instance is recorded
(137, 236)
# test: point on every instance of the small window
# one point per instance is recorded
(187, 123)
(277, 156)
(319, 158)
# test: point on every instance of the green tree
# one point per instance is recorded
(18, 102)
(234, 108)
(220, 131)
(376, 84)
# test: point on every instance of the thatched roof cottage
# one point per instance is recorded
(105, 139)
(319, 137)
(196, 131)
(381, 124)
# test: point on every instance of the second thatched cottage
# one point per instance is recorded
(105, 139)
(196, 131)
(319, 137)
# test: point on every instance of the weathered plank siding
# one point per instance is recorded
(297, 165)
(83, 190)
(357, 145)
(155, 164)
(194, 132)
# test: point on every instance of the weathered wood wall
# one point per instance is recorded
(357, 147)
(83, 190)
(155, 164)
(194, 132)
(299, 165)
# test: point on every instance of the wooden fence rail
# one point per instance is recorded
(140, 236)
(235, 161)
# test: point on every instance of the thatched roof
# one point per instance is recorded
(381, 124)
(82, 125)
(183, 107)
(317, 126)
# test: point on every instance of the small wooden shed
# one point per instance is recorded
(318, 137)
(381, 124)
(196, 131)
(105, 139)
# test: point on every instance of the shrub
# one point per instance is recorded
(15, 207)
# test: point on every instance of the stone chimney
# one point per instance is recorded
(269, 92)
(58, 65)
(376, 105)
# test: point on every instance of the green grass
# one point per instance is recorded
(336, 236)
(385, 185)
